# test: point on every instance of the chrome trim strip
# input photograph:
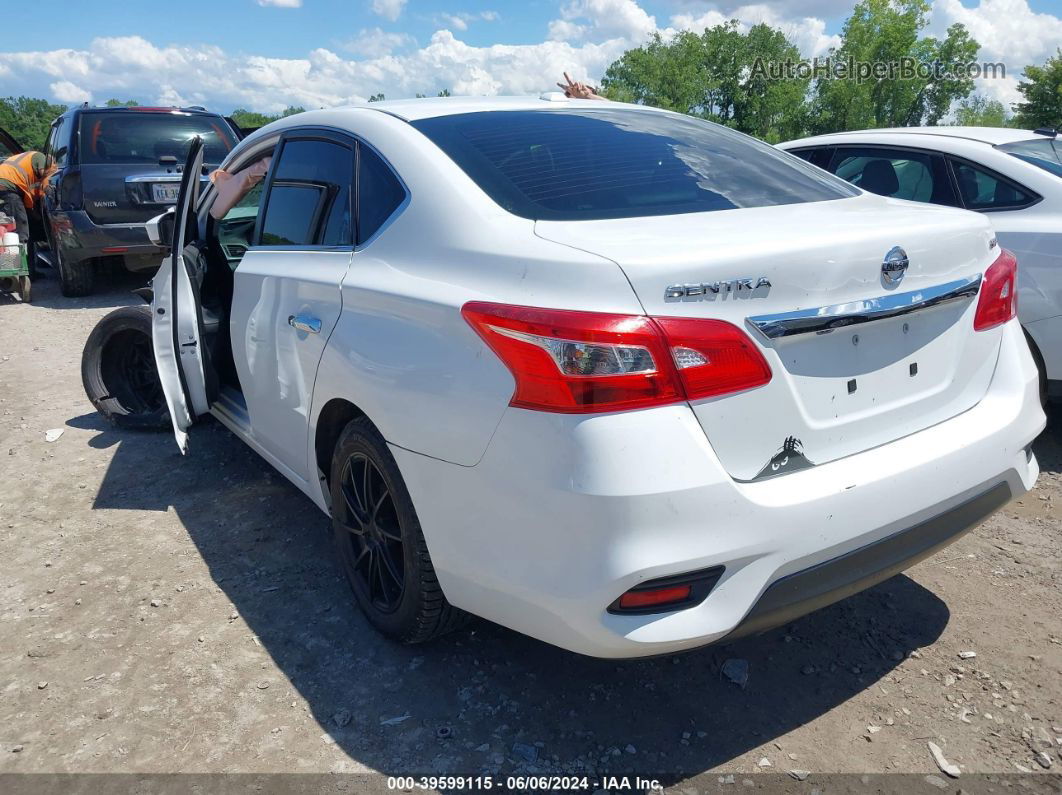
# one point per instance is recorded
(160, 178)
(824, 319)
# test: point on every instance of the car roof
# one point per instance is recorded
(431, 107)
(991, 136)
(140, 109)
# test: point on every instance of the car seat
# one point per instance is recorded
(879, 176)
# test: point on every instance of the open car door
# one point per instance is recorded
(8, 145)
(175, 310)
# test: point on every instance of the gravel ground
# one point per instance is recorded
(165, 614)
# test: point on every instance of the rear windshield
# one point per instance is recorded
(1043, 152)
(145, 136)
(583, 165)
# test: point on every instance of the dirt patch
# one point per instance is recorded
(166, 613)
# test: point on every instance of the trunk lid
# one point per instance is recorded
(837, 392)
(131, 159)
(130, 194)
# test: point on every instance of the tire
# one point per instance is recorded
(376, 545)
(25, 291)
(118, 371)
(31, 260)
(75, 278)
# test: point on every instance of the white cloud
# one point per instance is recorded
(1009, 31)
(388, 9)
(807, 33)
(281, 3)
(461, 21)
(563, 30)
(604, 19)
(65, 91)
(375, 43)
(134, 67)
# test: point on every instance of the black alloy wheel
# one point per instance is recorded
(378, 540)
(374, 545)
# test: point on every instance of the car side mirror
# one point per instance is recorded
(160, 228)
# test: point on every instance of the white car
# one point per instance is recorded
(620, 379)
(1013, 176)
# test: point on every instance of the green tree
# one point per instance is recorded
(886, 33)
(28, 119)
(444, 93)
(980, 111)
(250, 120)
(722, 75)
(117, 103)
(1042, 90)
(377, 98)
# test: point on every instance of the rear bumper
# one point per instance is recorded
(831, 581)
(565, 513)
(82, 239)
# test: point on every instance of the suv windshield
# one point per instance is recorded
(1043, 152)
(592, 164)
(145, 136)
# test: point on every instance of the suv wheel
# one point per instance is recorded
(379, 544)
(119, 374)
(31, 259)
(75, 278)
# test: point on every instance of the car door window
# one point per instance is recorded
(379, 193)
(56, 146)
(909, 174)
(817, 156)
(980, 189)
(235, 229)
(309, 197)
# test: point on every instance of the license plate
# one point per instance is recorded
(166, 193)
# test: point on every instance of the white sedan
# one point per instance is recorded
(617, 378)
(1013, 176)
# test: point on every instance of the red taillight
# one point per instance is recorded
(712, 357)
(589, 362)
(656, 597)
(998, 300)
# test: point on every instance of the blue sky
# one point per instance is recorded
(246, 26)
(258, 53)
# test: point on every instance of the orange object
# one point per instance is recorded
(19, 171)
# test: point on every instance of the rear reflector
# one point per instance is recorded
(998, 300)
(654, 598)
(591, 362)
(668, 593)
(114, 250)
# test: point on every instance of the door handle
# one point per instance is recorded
(311, 325)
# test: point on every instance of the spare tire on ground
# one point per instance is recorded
(119, 373)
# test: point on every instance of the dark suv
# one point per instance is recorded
(117, 168)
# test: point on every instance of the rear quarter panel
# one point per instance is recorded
(401, 351)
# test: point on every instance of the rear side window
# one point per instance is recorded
(981, 189)
(909, 174)
(309, 201)
(621, 163)
(379, 193)
(1045, 153)
(147, 136)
